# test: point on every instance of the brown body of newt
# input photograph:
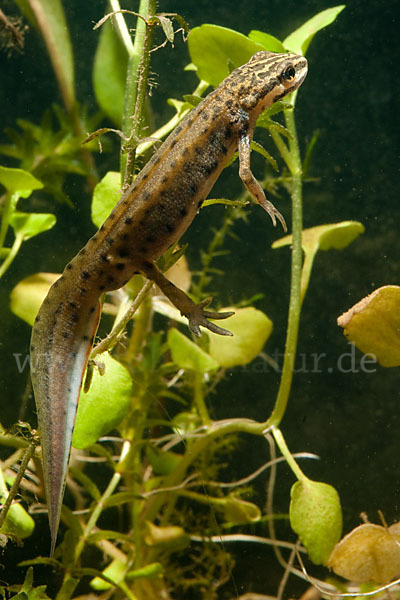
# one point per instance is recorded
(150, 216)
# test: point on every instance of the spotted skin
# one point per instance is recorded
(150, 216)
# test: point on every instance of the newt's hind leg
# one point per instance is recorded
(195, 313)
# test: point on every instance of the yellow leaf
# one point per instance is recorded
(373, 324)
(368, 553)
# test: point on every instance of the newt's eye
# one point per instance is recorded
(288, 74)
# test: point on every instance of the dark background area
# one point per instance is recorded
(350, 419)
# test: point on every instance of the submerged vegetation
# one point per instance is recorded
(150, 510)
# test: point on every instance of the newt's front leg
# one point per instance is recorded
(195, 313)
(251, 182)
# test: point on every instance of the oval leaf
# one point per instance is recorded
(28, 225)
(368, 553)
(105, 196)
(373, 324)
(213, 48)
(106, 403)
(316, 517)
(325, 237)
(187, 355)
(109, 73)
(269, 42)
(299, 40)
(28, 295)
(18, 180)
(250, 327)
(18, 522)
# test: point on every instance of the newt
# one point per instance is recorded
(151, 215)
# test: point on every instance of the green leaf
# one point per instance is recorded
(106, 403)
(115, 571)
(49, 17)
(325, 237)
(213, 48)
(373, 325)
(20, 181)
(105, 196)
(250, 327)
(299, 40)
(28, 225)
(163, 463)
(28, 295)
(238, 511)
(269, 42)
(187, 355)
(18, 522)
(316, 516)
(171, 536)
(109, 73)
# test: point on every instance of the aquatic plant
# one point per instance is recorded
(152, 497)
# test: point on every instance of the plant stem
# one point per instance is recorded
(280, 440)
(136, 90)
(295, 283)
(15, 486)
(114, 481)
(12, 254)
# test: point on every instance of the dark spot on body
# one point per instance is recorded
(173, 143)
(69, 266)
(85, 275)
(128, 220)
(110, 279)
(200, 202)
(110, 241)
(193, 187)
(170, 227)
(120, 266)
(228, 103)
(145, 176)
(183, 211)
(172, 164)
(33, 348)
(150, 239)
(65, 335)
(74, 354)
(102, 288)
(228, 132)
(204, 115)
(203, 131)
(75, 317)
(83, 291)
(105, 258)
(124, 237)
(143, 250)
(185, 151)
(85, 338)
(123, 252)
(92, 309)
(164, 179)
(37, 319)
(72, 304)
(82, 252)
(178, 129)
